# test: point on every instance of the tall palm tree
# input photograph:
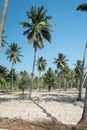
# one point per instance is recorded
(13, 54)
(38, 30)
(3, 19)
(83, 7)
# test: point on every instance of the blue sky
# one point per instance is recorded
(69, 36)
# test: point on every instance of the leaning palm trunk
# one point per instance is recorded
(85, 76)
(3, 18)
(32, 75)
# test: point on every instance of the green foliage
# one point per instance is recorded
(4, 77)
(78, 69)
(24, 80)
(13, 53)
(49, 78)
(60, 61)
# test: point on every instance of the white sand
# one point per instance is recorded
(46, 105)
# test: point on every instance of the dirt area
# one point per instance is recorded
(46, 111)
(18, 124)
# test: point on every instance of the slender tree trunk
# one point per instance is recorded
(84, 115)
(3, 18)
(32, 75)
(12, 80)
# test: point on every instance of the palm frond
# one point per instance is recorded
(82, 7)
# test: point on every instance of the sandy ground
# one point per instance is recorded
(45, 105)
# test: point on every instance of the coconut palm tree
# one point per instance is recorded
(25, 78)
(41, 65)
(60, 62)
(78, 70)
(3, 19)
(66, 76)
(38, 30)
(13, 54)
(49, 78)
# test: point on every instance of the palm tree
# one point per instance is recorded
(38, 30)
(78, 70)
(49, 78)
(66, 76)
(41, 65)
(60, 62)
(83, 7)
(25, 78)
(3, 19)
(13, 54)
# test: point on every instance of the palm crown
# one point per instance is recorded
(38, 27)
(60, 61)
(41, 63)
(13, 53)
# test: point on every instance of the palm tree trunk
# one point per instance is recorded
(3, 18)
(32, 75)
(12, 80)
(84, 115)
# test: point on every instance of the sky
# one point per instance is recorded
(69, 34)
